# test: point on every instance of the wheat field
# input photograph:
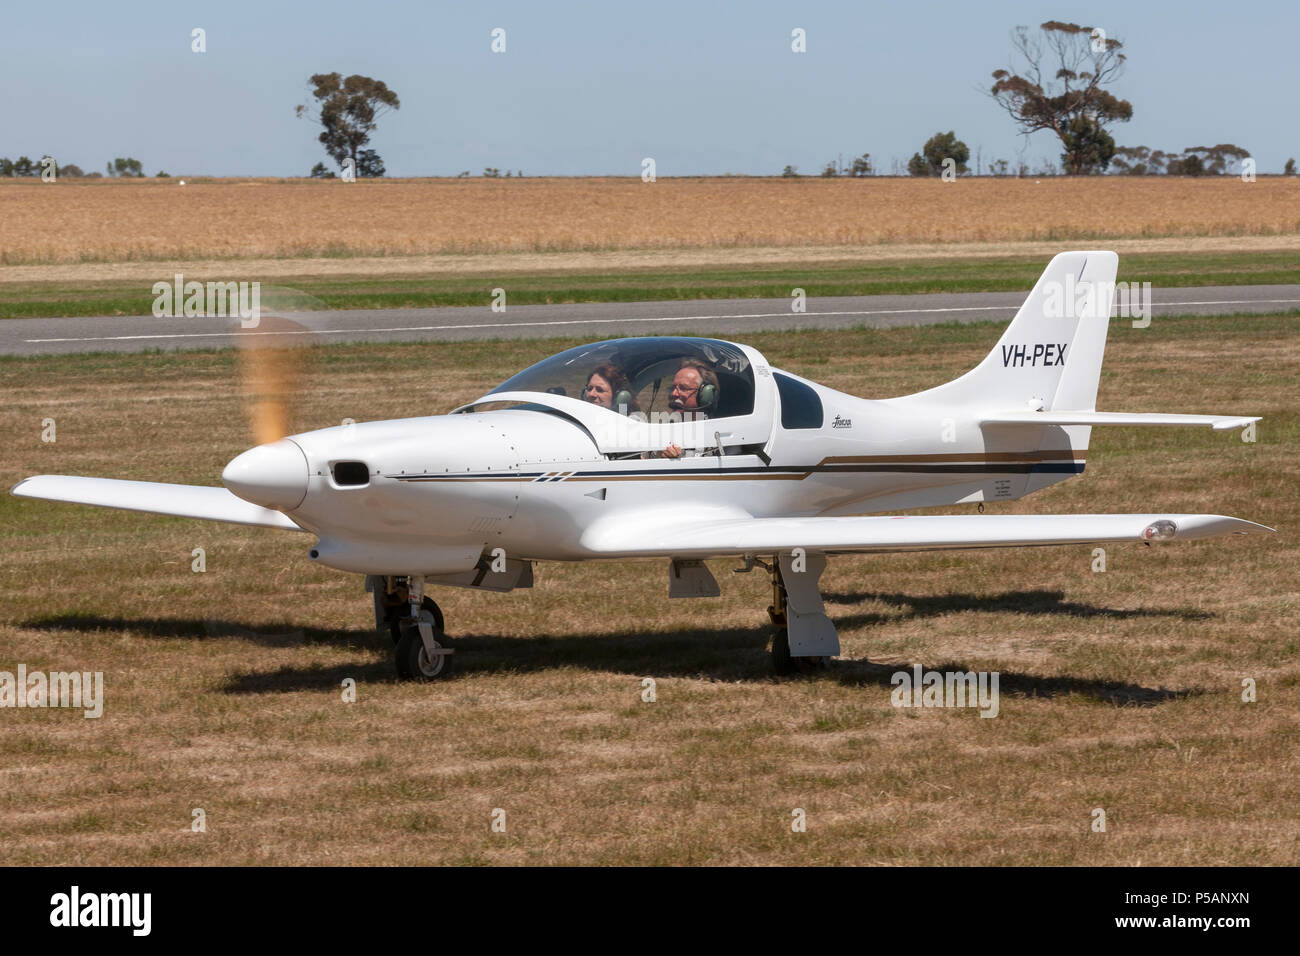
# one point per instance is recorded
(74, 221)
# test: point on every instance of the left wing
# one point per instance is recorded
(183, 501)
(654, 534)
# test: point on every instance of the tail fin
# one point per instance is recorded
(1050, 355)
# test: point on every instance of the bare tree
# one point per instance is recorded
(1071, 102)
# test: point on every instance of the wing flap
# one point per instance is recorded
(1022, 417)
(653, 536)
(182, 501)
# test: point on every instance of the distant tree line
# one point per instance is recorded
(858, 166)
(123, 167)
(1193, 161)
(928, 162)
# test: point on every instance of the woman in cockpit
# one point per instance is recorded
(608, 387)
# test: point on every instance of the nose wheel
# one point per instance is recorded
(415, 658)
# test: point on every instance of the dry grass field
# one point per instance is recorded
(1120, 690)
(114, 221)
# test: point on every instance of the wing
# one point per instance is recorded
(659, 535)
(1021, 417)
(183, 501)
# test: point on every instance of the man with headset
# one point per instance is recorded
(694, 394)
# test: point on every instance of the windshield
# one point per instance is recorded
(655, 376)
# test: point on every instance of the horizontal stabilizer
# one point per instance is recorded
(1021, 417)
(182, 501)
(714, 537)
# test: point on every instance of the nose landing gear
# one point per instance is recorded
(423, 650)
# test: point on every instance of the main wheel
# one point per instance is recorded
(782, 662)
(414, 662)
(395, 619)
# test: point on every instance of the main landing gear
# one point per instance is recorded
(797, 606)
(415, 622)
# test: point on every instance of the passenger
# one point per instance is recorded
(607, 383)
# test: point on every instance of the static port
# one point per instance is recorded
(351, 473)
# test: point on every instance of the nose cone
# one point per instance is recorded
(273, 476)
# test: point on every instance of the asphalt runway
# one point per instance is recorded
(723, 318)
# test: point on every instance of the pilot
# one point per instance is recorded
(694, 394)
(608, 387)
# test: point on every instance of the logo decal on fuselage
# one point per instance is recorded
(1018, 356)
(842, 422)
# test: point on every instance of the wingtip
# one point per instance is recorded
(1232, 424)
(1242, 526)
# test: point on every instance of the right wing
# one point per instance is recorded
(183, 501)
(654, 535)
(1022, 417)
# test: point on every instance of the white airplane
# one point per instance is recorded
(687, 449)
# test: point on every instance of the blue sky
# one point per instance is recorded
(591, 88)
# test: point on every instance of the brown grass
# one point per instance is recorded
(1120, 690)
(81, 221)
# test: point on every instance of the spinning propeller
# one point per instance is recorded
(272, 359)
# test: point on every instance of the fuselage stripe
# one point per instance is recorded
(772, 474)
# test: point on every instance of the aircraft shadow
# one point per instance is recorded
(173, 628)
(730, 654)
(1011, 683)
(1022, 602)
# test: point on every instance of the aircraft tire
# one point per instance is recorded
(412, 661)
(782, 662)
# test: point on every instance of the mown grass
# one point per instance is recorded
(1120, 690)
(903, 276)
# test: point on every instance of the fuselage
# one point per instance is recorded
(435, 494)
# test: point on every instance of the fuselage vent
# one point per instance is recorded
(351, 473)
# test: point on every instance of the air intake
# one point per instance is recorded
(351, 473)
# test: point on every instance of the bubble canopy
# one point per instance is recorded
(638, 374)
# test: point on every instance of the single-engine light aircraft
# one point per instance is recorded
(686, 449)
